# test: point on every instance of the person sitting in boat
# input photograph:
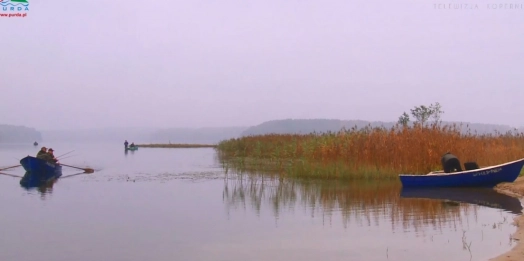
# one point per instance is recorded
(50, 156)
(132, 145)
(42, 154)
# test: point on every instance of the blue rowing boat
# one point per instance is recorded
(481, 177)
(39, 171)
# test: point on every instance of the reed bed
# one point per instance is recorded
(375, 153)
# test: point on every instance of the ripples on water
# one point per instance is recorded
(178, 204)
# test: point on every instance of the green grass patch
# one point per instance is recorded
(302, 169)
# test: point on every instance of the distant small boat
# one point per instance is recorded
(482, 177)
(35, 144)
(479, 196)
(132, 148)
(39, 170)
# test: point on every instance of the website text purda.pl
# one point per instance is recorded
(13, 15)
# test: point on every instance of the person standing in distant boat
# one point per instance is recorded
(125, 144)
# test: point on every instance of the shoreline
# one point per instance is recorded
(514, 189)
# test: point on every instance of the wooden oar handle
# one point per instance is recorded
(87, 170)
(70, 166)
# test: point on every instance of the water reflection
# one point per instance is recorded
(32, 182)
(428, 220)
(364, 203)
(10, 175)
(479, 196)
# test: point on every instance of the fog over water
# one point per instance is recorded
(171, 64)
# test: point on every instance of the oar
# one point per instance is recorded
(10, 167)
(86, 170)
(72, 175)
(10, 175)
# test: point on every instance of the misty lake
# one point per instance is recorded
(180, 204)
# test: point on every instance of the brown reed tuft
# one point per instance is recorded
(370, 152)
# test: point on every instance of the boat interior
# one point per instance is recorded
(451, 164)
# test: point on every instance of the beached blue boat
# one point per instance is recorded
(39, 170)
(481, 177)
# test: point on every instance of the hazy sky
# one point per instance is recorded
(169, 63)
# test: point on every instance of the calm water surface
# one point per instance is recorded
(179, 204)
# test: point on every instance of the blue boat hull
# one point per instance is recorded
(484, 177)
(39, 171)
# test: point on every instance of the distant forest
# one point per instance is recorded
(18, 134)
(296, 126)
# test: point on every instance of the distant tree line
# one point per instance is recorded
(16, 134)
(419, 115)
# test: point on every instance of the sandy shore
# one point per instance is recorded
(515, 189)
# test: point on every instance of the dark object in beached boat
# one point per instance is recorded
(482, 177)
(471, 165)
(450, 163)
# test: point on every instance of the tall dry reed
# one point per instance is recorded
(378, 152)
